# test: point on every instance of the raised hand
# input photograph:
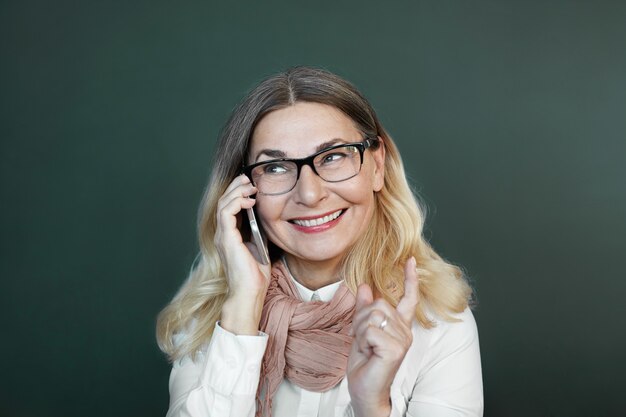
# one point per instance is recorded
(382, 338)
(247, 278)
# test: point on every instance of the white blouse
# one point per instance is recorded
(439, 377)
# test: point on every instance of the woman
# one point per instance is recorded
(355, 314)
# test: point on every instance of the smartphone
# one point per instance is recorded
(258, 237)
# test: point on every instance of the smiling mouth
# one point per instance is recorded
(319, 221)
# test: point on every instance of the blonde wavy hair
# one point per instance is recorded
(395, 233)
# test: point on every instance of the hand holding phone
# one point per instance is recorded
(258, 238)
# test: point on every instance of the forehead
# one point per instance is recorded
(297, 130)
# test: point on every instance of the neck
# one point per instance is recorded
(313, 275)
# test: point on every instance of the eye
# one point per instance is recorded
(334, 156)
(338, 155)
(275, 168)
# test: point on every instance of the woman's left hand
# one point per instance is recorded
(382, 337)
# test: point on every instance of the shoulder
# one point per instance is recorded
(443, 372)
(447, 337)
(444, 340)
(463, 328)
(442, 359)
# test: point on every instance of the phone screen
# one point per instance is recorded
(258, 238)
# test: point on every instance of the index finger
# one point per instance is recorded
(236, 182)
(408, 303)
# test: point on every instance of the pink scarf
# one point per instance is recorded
(308, 341)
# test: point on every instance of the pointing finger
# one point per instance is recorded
(408, 303)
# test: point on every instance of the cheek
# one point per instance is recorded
(362, 190)
(360, 194)
(374, 177)
(267, 211)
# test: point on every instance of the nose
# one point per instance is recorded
(310, 188)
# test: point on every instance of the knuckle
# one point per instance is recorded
(221, 202)
(367, 333)
(376, 317)
(223, 215)
(380, 304)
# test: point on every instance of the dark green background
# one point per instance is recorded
(511, 116)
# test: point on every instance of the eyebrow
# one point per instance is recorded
(275, 153)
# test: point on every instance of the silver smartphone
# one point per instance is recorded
(258, 237)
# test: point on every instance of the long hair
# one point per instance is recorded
(395, 233)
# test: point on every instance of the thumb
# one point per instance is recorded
(364, 296)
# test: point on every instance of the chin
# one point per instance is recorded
(319, 256)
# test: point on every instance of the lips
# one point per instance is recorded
(312, 222)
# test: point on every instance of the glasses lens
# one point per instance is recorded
(275, 177)
(338, 164)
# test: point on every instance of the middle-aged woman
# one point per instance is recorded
(355, 314)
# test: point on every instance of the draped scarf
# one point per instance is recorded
(308, 343)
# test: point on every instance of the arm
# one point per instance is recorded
(223, 379)
(382, 338)
(247, 279)
(450, 380)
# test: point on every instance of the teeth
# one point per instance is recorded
(317, 222)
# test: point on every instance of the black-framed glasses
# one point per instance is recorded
(333, 164)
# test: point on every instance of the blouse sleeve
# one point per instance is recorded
(223, 379)
(450, 380)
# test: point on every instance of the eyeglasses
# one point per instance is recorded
(334, 164)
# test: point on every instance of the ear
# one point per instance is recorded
(378, 180)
